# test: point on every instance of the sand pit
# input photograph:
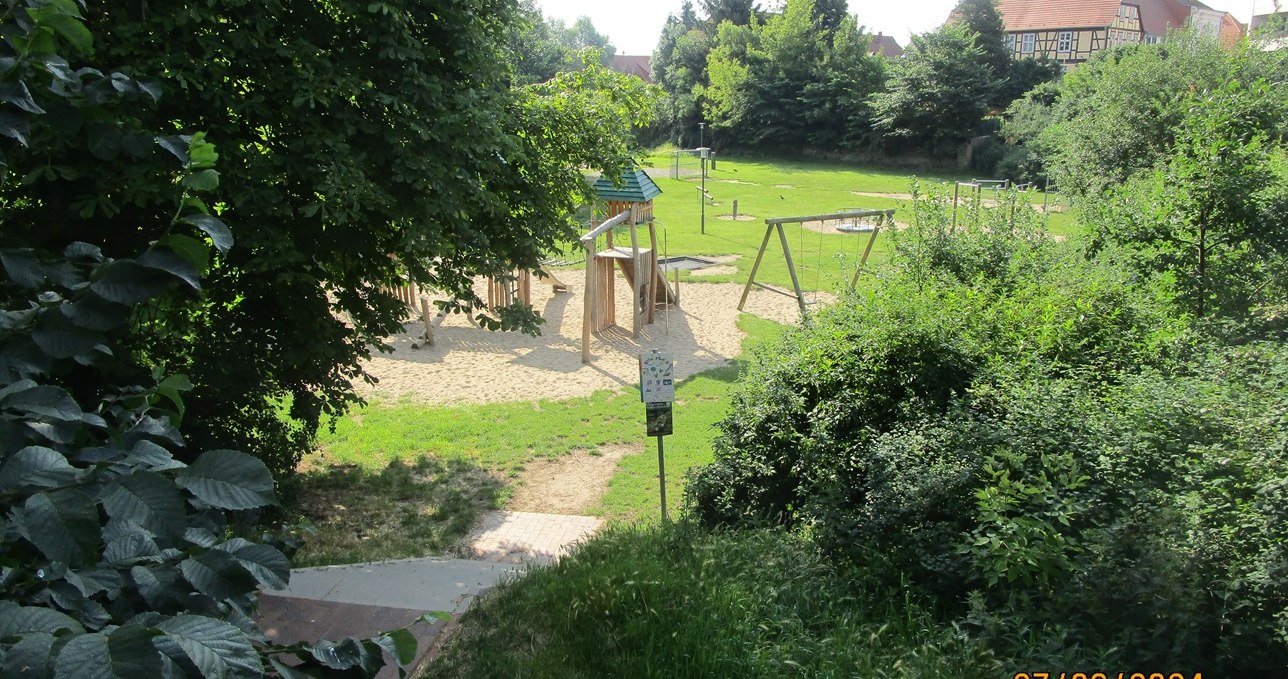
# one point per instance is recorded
(469, 365)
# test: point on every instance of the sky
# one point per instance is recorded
(633, 26)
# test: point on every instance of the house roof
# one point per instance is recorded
(636, 187)
(640, 66)
(885, 46)
(1157, 17)
(1036, 15)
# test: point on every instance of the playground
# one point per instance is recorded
(469, 365)
(555, 420)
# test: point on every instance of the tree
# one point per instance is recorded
(680, 69)
(937, 93)
(1214, 212)
(118, 559)
(737, 12)
(361, 143)
(581, 35)
(829, 14)
(1024, 75)
(535, 49)
(1117, 113)
(983, 19)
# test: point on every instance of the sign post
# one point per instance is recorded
(657, 391)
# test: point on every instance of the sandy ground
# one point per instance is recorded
(571, 484)
(469, 365)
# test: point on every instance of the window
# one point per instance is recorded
(1065, 42)
(1029, 40)
(1009, 42)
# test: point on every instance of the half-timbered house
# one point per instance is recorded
(1070, 31)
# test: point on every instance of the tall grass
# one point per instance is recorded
(676, 601)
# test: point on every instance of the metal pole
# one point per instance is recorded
(704, 194)
(661, 476)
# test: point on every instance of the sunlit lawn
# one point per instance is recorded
(764, 189)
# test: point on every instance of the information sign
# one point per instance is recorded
(657, 377)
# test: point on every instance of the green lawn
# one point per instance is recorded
(767, 189)
(504, 437)
(374, 451)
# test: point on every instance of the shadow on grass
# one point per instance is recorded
(409, 509)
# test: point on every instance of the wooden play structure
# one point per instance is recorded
(882, 217)
(500, 292)
(518, 287)
(631, 203)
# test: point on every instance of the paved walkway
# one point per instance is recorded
(363, 600)
(524, 537)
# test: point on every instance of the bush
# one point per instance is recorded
(675, 601)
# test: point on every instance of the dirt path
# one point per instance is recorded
(570, 484)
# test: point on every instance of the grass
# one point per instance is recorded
(825, 262)
(676, 601)
(405, 480)
(374, 451)
(407, 509)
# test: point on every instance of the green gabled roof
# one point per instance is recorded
(636, 187)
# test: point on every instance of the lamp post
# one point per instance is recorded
(703, 153)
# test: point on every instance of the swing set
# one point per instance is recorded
(883, 218)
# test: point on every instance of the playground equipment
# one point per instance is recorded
(884, 217)
(632, 205)
(504, 291)
(976, 187)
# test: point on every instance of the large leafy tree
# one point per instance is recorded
(117, 556)
(829, 14)
(1214, 212)
(738, 12)
(1118, 113)
(680, 69)
(983, 19)
(937, 93)
(361, 143)
(789, 83)
(535, 48)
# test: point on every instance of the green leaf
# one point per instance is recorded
(16, 620)
(201, 153)
(59, 337)
(228, 479)
(132, 651)
(349, 654)
(36, 467)
(84, 656)
(151, 456)
(23, 267)
(177, 145)
(79, 250)
(126, 282)
(30, 656)
(217, 648)
(268, 565)
(63, 525)
(128, 550)
(217, 574)
(45, 402)
(401, 645)
(18, 95)
(214, 228)
(205, 180)
(149, 500)
(172, 263)
(14, 126)
(171, 388)
(95, 313)
(196, 252)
